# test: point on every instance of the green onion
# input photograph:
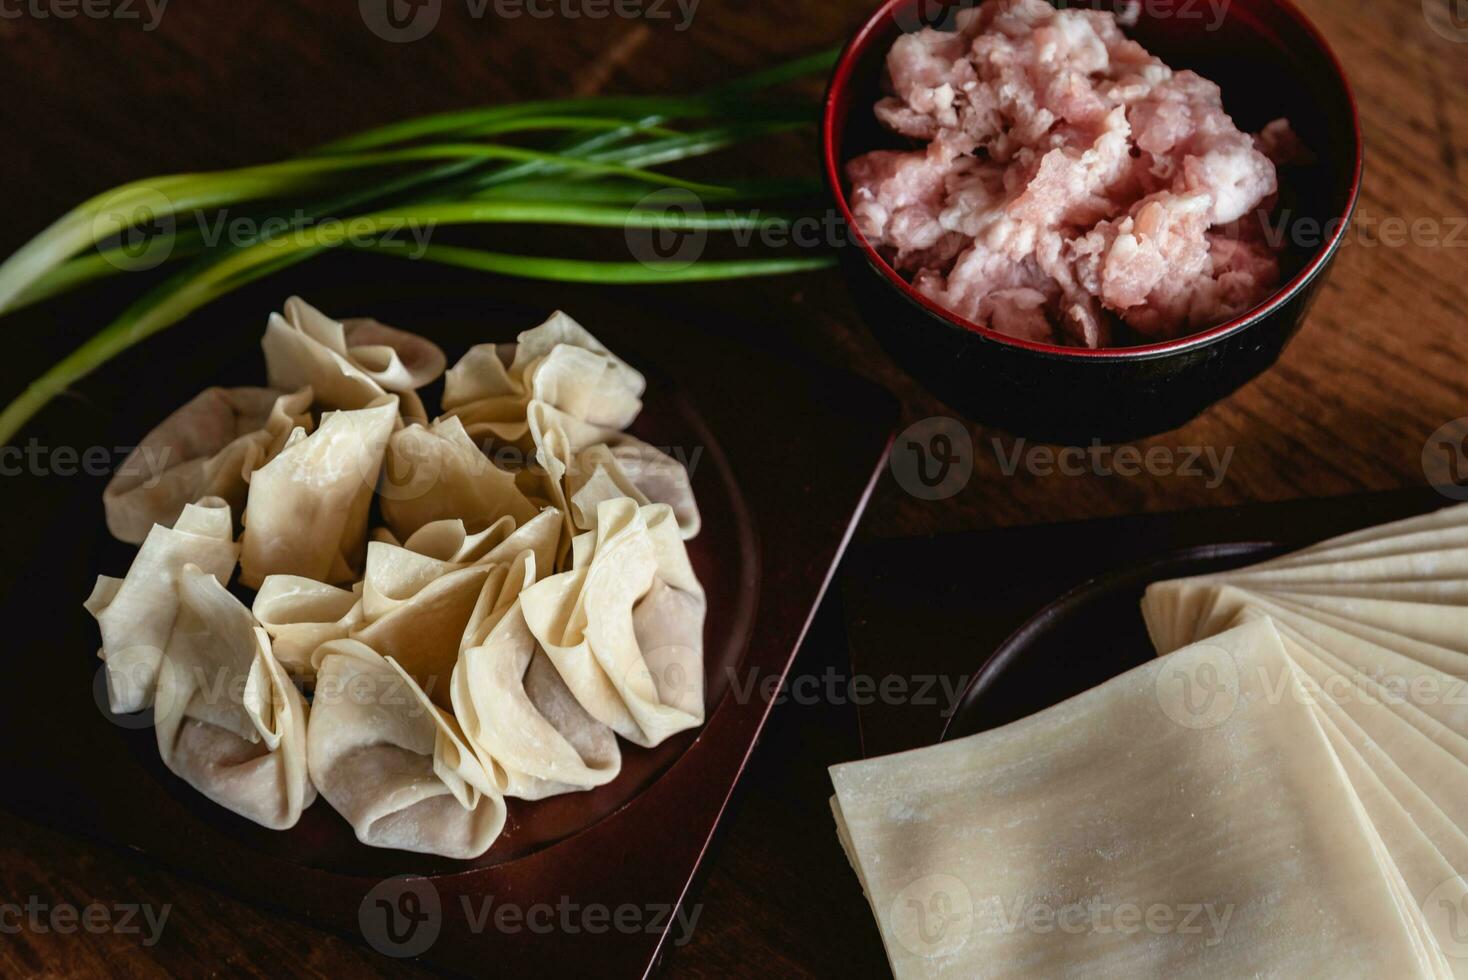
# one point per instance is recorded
(435, 170)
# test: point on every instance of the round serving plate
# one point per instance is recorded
(1083, 639)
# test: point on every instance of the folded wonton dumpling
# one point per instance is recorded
(606, 466)
(307, 509)
(417, 609)
(228, 719)
(349, 364)
(300, 614)
(136, 613)
(208, 448)
(393, 763)
(624, 627)
(437, 472)
(398, 572)
(516, 711)
(559, 363)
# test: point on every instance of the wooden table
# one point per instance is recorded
(94, 102)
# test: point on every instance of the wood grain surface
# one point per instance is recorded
(91, 102)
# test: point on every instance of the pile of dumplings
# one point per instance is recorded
(442, 614)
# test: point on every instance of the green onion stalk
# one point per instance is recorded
(437, 170)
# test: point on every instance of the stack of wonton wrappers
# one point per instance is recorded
(1284, 793)
(430, 617)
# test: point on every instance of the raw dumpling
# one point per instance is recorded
(608, 465)
(136, 613)
(350, 364)
(517, 713)
(394, 764)
(631, 468)
(624, 627)
(228, 719)
(208, 448)
(436, 472)
(558, 363)
(397, 572)
(300, 614)
(417, 610)
(307, 509)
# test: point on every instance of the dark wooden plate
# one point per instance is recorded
(1012, 621)
(784, 453)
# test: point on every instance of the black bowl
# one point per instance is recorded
(1270, 62)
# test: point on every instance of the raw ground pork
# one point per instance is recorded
(1069, 179)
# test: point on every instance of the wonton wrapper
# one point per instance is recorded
(228, 719)
(517, 712)
(437, 472)
(349, 365)
(1130, 795)
(613, 465)
(307, 509)
(300, 614)
(417, 609)
(624, 627)
(208, 448)
(136, 613)
(558, 363)
(392, 763)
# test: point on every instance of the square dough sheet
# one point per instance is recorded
(1187, 819)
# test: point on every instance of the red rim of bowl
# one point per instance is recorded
(841, 81)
